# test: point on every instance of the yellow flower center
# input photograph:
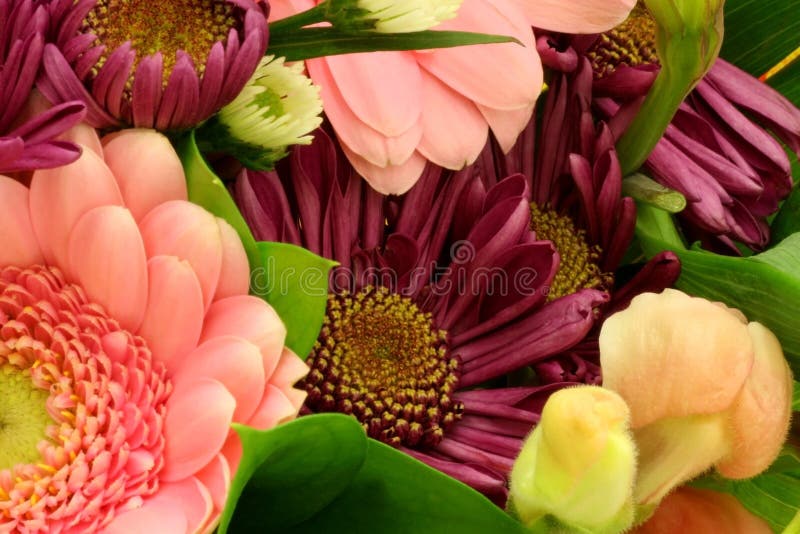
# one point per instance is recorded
(578, 268)
(630, 44)
(23, 414)
(380, 358)
(161, 26)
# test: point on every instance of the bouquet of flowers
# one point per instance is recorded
(507, 266)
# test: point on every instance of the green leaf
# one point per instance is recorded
(207, 190)
(308, 43)
(396, 494)
(765, 287)
(774, 495)
(796, 397)
(759, 33)
(787, 221)
(295, 282)
(641, 187)
(290, 472)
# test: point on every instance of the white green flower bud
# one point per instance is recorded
(576, 470)
(390, 16)
(278, 108)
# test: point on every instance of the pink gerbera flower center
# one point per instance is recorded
(381, 359)
(192, 26)
(86, 410)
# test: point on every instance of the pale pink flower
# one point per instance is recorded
(125, 308)
(393, 111)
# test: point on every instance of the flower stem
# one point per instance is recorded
(311, 16)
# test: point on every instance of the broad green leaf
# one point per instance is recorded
(765, 287)
(289, 473)
(395, 494)
(295, 282)
(787, 81)
(760, 33)
(207, 190)
(774, 495)
(787, 221)
(796, 397)
(308, 43)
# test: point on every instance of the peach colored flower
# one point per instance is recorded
(125, 324)
(705, 388)
(697, 511)
(393, 111)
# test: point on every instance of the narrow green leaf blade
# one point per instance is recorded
(395, 494)
(289, 473)
(295, 282)
(207, 190)
(316, 42)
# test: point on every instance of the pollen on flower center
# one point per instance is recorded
(161, 26)
(23, 416)
(578, 268)
(380, 358)
(631, 43)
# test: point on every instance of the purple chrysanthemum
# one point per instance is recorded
(158, 64)
(27, 134)
(722, 150)
(443, 292)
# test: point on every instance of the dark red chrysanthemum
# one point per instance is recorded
(27, 134)
(158, 64)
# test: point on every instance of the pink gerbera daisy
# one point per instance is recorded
(128, 346)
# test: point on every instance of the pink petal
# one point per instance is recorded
(147, 169)
(279, 9)
(191, 497)
(216, 477)
(106, 256)
(59, 197)
(250, 318)
(154, 516)
(453, 130)
(369, 143)
(174, 314)
(85, 135)
(575, 16)
(290, 369)
(199, 415)
(234, 278)
(391, 179)
(501, 76)
(185, 230)
(235, 363)
(382, 89)
(19, 244)
(507, 125)
(275, 408)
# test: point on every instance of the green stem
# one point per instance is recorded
(652, 222)
(306, 18)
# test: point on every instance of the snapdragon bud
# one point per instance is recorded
(705, 388)
(576, 470)
(390, 16)
(278, 107)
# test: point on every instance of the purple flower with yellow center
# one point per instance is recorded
(444, 291)
(158, 64)
(27, 132)
(722, 150)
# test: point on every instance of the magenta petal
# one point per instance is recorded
(146, 98)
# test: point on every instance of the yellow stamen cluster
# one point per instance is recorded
(631, 43)
(379, 358)
(578, 268)
(161, 26)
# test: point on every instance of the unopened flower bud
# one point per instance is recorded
(278, 107)
(576, 469)
(390, 16)
(704, 387)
